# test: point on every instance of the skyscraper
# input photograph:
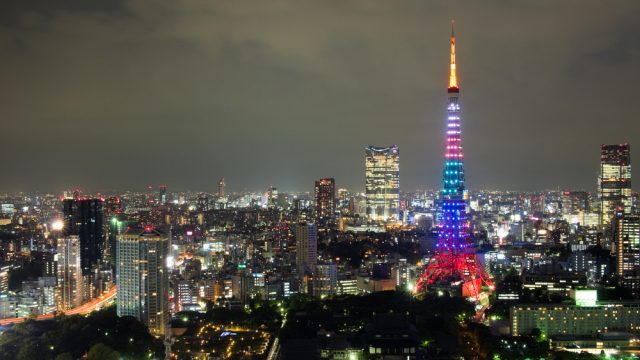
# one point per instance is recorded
(221, 187)
(455, 261)
(84, 218)
(626, 238)
(162, 195)
(306, 248)
(116, 227)
(325, 193)
(142, 277)
(575, 201)
(382, 182)
(272, 197)
(70, 284)
(614, 182)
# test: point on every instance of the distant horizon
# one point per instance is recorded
(286, 191)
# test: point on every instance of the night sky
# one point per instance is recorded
(107, 95)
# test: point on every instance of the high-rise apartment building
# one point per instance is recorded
(142, 277)
(306, 248)
(70, 284)
(116, 227)
(382, 175)
(4, 277)
(325, 194)
(614, 182)
(84, 218)
(626, 240)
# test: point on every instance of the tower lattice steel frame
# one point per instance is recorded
(455, 260)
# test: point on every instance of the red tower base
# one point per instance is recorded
(460, 269)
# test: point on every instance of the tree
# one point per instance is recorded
(101, 351)
(30, 349)
(65, 356)
(536, 333)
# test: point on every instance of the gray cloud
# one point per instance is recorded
(117, 95)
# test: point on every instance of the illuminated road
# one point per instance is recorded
(95, 304)
(275, 350)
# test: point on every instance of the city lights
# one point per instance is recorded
(57, 225)
(227, 181)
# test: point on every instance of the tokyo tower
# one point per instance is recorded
(455, 262)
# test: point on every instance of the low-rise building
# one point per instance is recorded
(586, 317)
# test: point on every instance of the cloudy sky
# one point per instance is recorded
(121, 94)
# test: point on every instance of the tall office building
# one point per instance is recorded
(382, 182)
(162, 195)
(537, 204)
(614, 182)
(575, 201)
(325, 193)
(70, 284)
(221, 187)
(272, 197)
(325, 280)
(306, 248)
(455, 261)
(626, 238)
(143, 282)
(84, 218)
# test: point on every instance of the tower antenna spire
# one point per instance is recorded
(453, 78)
(453, 23)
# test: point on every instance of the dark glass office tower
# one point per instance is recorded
(84, 218)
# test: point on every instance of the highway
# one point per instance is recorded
(95, 304)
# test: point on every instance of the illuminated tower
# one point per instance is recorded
(455, 261)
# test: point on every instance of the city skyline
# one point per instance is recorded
(223, 180)
(321, 79)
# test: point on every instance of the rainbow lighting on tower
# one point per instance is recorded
(455, 261)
